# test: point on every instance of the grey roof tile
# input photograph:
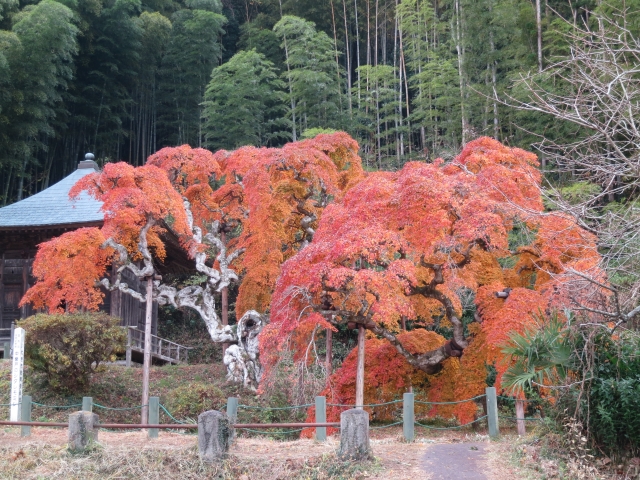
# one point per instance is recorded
(53, 206)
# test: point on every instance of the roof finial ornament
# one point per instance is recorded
(88, 162)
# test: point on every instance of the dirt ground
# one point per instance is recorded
(428, 458)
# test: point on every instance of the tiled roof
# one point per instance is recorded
(53, 206)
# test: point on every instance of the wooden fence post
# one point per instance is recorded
(25, 415)
(520, 417)
(87, 404)
(154, 416)
(321, 417)
(232, 413)
(492, 412)
(408, 417)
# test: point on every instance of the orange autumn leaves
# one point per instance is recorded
(68, 268)
(370, 242)
(372, 254)
(258, 195)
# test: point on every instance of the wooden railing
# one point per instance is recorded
(5, 342)
(161, 348)
(5, 333)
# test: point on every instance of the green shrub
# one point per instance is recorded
(67, 348)
(596, 378)
(193, 399)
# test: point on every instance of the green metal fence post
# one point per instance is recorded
(25, 415)
(492, 412)
(154, 416)
(87, 404)
(408, 417)
(321, 417)
(232, 413)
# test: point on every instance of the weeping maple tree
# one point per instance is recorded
(238, 215)
(439, 263)
(275, 198)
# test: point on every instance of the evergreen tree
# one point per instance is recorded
(245, 104)
(38, 56)
(193, 51)
(315, 96)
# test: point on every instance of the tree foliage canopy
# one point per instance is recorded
(441, 262)
(417, 246)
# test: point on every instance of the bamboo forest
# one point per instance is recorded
(408, 79)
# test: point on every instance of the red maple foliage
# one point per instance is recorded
(419, 244)
(277, 196)
(138, 205)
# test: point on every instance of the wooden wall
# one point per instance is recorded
(131, 311)
(16, 278)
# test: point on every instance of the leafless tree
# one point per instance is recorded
(596, 88)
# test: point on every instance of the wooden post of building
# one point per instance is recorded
(147, 352)
(520, 417)
(360, 368)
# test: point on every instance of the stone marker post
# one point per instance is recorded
(16, 373)
(83, 431)
(354, 434)
(213, 436)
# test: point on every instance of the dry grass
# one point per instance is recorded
(45, 461)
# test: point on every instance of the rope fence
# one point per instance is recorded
(292, 407)
(55, 406)
(379, 427)
(371, 405)
(407, 418)
(451, 403)
(524, 419)
(286, 432)
(451, 428)
(118, 409)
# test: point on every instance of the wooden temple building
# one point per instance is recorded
(48, 214)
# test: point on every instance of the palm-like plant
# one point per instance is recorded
(542, 356)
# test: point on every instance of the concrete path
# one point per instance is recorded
(459, 461)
